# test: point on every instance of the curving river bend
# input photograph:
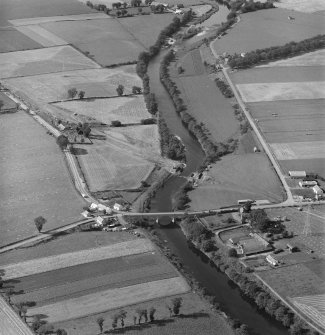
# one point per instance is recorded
(217, 283)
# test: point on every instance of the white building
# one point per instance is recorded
(318, 192)
(85, 214)
(118, 207)
(272, 260)
(297, 174)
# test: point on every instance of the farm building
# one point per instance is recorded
(118, 207)
(61, 127)
(307, 183)
(93, 207)
(318, 191)
(272, 260)
(297, 174)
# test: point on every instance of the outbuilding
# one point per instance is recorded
(318, 191)
(297, 174)
(307, 183)
(118, 207)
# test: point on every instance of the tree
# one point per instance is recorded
(120, 90)
(100, 322)
(81, 94)
(24, 312)
(39, 223)
(72, 92)
(118, 13)
(136, 90)
(1, 104)
(123, 12)
(139, 10)
(62, 141)
(208, 245)
(152, 312)
(122, 316)
(45, 329)
(9, 293)
(232, 252)
(177, 304)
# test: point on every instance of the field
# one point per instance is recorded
(146, 28)
(196, 319)
(235, 177)
(17, 9)
(201, 9)
(95, 83)
(35, 180)
(307, 6)
(264, 28)
(285, 98)
(55, 262)
(314, 240)
(13, 40)
(130, 109)
(282, 91)
(36, 62)
(7, 102)
(106, 168)
(112, 44)
(206, 103)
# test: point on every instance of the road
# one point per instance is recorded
(263, 142)
(10, 322)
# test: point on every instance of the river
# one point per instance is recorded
(217, 283)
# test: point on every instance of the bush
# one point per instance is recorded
(116, 123)
(232, 252)
(208, 246)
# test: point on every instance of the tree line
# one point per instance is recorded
(212, 149)
(269, 54)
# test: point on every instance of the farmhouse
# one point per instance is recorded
(292, 248)
(272, 260)
(297, 174)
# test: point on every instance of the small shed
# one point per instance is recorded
(297, 174)
(272, 260)
(61, 127)
(85, 214)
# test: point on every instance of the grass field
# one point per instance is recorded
(316, 165)
(281, 74)
(282, 91)
(315, 58)
(17, 9)
(56, 262)
(313, 307)
(196, 319)
(41, 36)
(299, 150)
(106, 167)
(35, 180)
(146, 28)
(7, 102)
(314, 241)
(78, 280)
(110, 299)
(264, 28)
(235, 177)
(65, 243)
(130, 109)
(95, 83)
(201, 9)
(191, 63)
(307, 6)
(112, 45)
(206, 103)
(13, 40)
(36, 62)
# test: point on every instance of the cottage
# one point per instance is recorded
(272, 260)
(118, 207)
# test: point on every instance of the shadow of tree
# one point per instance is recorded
(159, 323)
(97, 137)
(78, 151)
